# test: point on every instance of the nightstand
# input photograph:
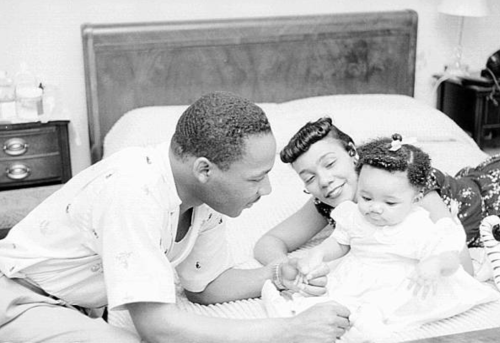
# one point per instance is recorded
(34, 154)
(475, 108)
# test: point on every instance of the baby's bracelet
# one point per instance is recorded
(277, 279)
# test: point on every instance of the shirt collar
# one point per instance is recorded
(173, 198)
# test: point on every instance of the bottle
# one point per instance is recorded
(50, 102)
(7, 98)
(29, 105)
(28, 95)
(25, 78)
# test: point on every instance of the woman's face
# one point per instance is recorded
(327, 171)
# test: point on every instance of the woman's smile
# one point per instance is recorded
(335, 192)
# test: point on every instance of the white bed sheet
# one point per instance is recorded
(363, 117)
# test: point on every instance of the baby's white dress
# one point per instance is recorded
(372, 279)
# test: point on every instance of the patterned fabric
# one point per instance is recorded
(474, 190)
(325, 210)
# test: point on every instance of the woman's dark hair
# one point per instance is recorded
(311, 133)
(394, 155)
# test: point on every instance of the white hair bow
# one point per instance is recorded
(398, 143)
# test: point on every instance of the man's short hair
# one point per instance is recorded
(216, 125)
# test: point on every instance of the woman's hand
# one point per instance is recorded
(314, 284)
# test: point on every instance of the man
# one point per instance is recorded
(113, 235)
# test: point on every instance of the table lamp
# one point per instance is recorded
(462, 9)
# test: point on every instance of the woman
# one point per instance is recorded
(324, 158)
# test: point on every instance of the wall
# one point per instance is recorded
(46, 36)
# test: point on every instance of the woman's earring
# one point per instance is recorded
(306, 191)
(352, 152)
(419, 197)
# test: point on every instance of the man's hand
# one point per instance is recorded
(314, 285)
(322, 322)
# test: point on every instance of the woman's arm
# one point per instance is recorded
(236, 284)
(433, 203)
(289, 234)
(436, 207)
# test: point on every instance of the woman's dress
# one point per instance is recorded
(474, 190)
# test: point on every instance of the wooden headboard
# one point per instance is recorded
(264, 59)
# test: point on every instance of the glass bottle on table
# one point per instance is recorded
(29, 104)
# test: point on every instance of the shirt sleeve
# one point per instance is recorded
(211, 255)
(129, 220)
(343, 216)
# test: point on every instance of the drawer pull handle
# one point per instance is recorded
(15, 146)
(18, 172)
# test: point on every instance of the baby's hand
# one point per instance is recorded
(425, 277)
(295, 281)
(309, 264)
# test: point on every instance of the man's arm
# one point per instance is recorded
(157, 322)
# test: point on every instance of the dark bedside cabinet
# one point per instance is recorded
(34, 154)
(474, 108)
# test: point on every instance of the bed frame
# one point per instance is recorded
(264, 59)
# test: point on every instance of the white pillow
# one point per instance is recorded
(148, 126)
(368, 116)
(142, 127)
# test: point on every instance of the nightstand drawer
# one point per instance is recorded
(31, 169)
(34, 154)
(28, 142)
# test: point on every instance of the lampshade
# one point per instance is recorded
(464, 8)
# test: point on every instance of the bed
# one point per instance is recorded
(358, 68)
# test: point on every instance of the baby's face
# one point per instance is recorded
(385, 198)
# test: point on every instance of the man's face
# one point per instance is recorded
(385, 198)
(246, 181)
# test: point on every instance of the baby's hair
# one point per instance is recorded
(393, 155)
(311, 133)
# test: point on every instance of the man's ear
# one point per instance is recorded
(202, 169)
